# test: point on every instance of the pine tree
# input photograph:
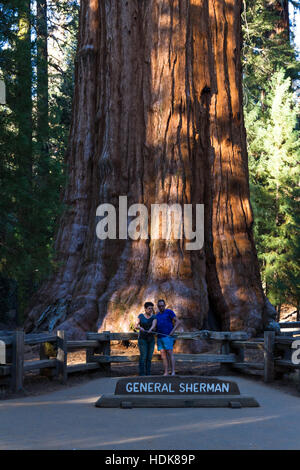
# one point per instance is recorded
(267, 46)
(34, 125)
(274, 152)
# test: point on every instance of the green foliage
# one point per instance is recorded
(274, 153)
(266, 46)
(271, 76)
(32, 178)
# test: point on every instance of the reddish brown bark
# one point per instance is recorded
(157, 117)
(282, 26)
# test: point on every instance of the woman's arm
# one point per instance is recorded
(138, 326)
(153, 326)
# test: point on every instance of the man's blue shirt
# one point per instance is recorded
(164, 321)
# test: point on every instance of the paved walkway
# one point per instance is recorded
(68, 419)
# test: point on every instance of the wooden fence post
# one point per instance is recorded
(44, 354)
(239, 353)
(89, 352)
(17, 370)
(104, 349)
(106, 352)
(2, 352)
(225, 349)
(298, 380)
(269, 344)
(62, 356)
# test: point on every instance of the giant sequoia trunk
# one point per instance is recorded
(157, 116)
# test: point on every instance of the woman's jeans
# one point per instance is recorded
(146, 348)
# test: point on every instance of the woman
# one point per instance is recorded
(146, 323)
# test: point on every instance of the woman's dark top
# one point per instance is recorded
(146, 323)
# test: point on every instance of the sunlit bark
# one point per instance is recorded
(157, 116)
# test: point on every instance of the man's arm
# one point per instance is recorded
(176, 325)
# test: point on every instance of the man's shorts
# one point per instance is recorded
(165, 342)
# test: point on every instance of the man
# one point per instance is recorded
(166, 325)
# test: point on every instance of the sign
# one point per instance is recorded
(175, 392)
(175, 386)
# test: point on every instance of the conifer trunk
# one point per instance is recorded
(24, 92)
(282, 26)
(157, 116)
(42, 84)
(23, 115)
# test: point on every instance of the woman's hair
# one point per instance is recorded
(148, 304)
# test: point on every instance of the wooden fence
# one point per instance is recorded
(277, 354)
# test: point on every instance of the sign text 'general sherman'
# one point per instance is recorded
(175, 385)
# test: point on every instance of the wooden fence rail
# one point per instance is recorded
(277, 354)
(291, 328)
